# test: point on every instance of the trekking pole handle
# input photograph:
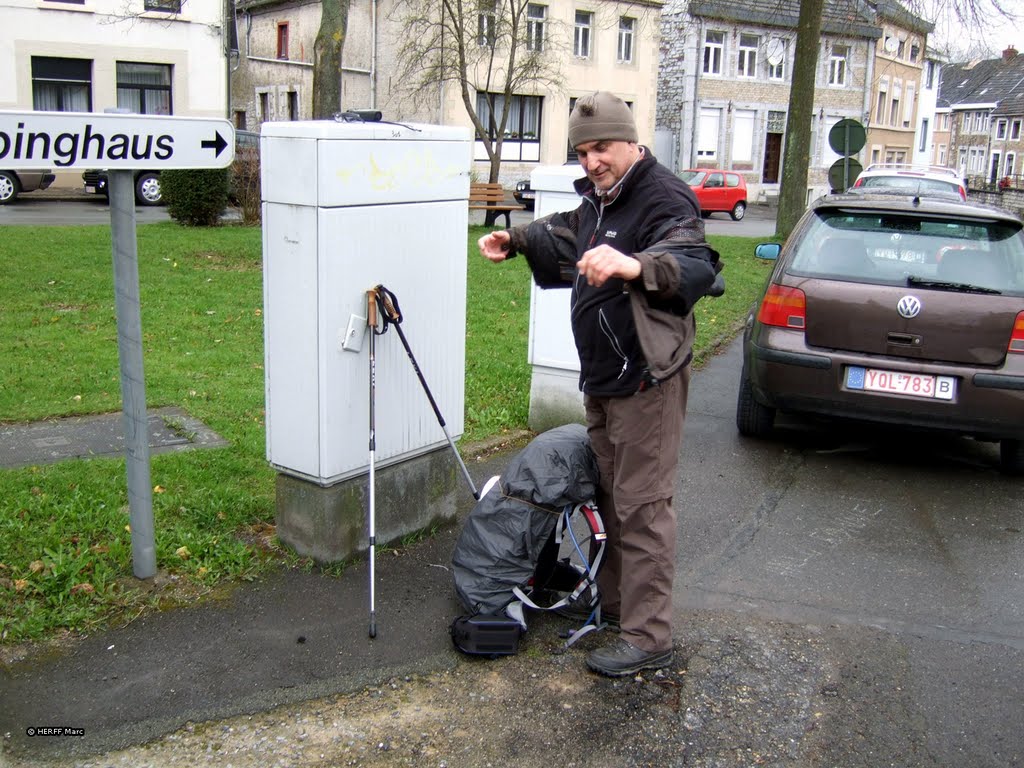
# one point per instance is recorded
(389, 304)
(371, 309)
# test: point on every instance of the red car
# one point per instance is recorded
(718, 191)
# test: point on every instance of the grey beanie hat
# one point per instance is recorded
(602, 116)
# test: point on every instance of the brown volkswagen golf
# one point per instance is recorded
(894, 309)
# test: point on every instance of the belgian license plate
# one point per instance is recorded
(90, 189)
(897, 382)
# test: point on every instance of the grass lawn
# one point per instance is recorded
(65, 549)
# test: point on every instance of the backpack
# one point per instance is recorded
(534, 540)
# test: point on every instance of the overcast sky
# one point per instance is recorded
(996, 32)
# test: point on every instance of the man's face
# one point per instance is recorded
(605, 162)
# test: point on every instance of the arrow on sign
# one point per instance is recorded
(218, 144)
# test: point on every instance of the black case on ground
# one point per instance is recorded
(484, 635)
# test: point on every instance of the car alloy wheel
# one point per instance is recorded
(8, 188)
(147, 189)
(752, 418)
(738, 211)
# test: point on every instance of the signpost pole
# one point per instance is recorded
(133, 382)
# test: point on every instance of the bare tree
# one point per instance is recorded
(480, 46)
(327, 50)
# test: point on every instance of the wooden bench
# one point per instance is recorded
(491, 198)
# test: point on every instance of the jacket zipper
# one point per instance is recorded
(606, 328)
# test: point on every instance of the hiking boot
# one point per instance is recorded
(620, 658)
(580, 613)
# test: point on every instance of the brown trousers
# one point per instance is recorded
(636, 441)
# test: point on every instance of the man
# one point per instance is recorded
(635, 256)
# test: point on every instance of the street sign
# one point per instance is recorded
(106, 140)
(846, 139)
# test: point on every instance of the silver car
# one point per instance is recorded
(12, 183)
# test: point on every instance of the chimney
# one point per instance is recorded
(1009, 53)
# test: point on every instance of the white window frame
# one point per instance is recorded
(1001, 128)
(778, 71)
(746, 61)
(1015, 130)
(536, 16)
(924, 135)
(582, 34)
(626, 40)
(1009, 163)
(882, 104)
(486, 23)
(714, 52)
(908, 105)
(708, 134)
(744, 122)
(839, 66)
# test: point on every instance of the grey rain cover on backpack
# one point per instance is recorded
(504, 534)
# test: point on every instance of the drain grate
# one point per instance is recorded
(87, 437)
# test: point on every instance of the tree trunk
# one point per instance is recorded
(797, 157)
(330, 42)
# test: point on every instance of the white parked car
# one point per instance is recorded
(12, 183)
(911, 179)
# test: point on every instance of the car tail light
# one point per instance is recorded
(1017, 336)
(859, 182)
(787, 308)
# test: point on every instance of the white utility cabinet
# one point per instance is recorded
(554, 385)
(348, 206)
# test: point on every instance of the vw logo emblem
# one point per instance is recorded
(909, 306)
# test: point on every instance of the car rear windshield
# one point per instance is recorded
(892, 248)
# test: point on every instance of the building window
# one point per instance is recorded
(1011, 160)
(240, 119)
(282, 40)
(522, 127)
(743, 122)
(714, 51)
(940, 155)
(707, 137)
(908, 106)
(293, 105)
(915, 52)
(883, 100)
(838, 67)
(523, 123)
(264, 106)
(901, 49)
(486, 24)
(1001, 129)
(627, 27)
(1015, 130)
(144, 88)
(581, 34)
(894, 108)
(61, 85)
(775, 55)
(746, 66)
(535, 15)
(929, 75)
(924, 135)
(166, 6)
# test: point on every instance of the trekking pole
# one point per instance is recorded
(393, 315)
(371, 321)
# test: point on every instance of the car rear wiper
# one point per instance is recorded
(948, 286)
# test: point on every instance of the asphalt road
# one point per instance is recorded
(69, 208)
